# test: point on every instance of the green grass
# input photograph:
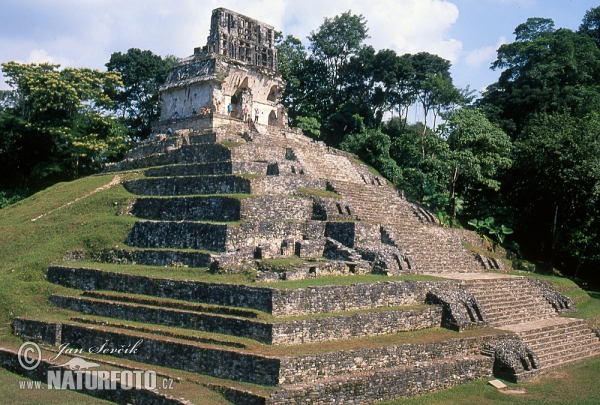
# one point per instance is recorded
(27, 247)
(12, 394)
(318, 193)
(573, 385)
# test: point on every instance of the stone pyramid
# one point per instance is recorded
(215, 191)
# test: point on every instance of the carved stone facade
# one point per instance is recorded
(237, 67)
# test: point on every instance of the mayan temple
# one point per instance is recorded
(226, 187)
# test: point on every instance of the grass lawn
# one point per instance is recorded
(573, 385)
(14, 395)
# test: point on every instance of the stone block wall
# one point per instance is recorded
(151, 257)
(385, 385)
(353, 234)
(188, 208)
(185, 154)
(194, 291)
(10, 361)
(285, 184)
(234, 326)
(337, 298)
(309, 369)
(209, 169)
(269, 207)
(355, 326)
(181, 235)
(302, 301)
(220, 363)
(172, 186)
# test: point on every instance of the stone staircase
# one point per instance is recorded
(557, 341)
(510, 300)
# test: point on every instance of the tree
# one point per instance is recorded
(478, 151)
(137, 102)
(334, 43)
(591, 24)
(543, 71)
(56, 123)
(557, 175)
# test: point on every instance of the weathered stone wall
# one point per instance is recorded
(242, 38)
(209, 169)
(311, 368)
(355, 326)
(268, 207)
(182, 355)
(302, 301)
(186, 154)
(38, 331)
(388, 384)
(285, 184)
(253, 152)
(337, 298)
(181, 235)
(172, 186)
(149, 257)
(195, 291)
(280, 333)
(353, 234)
(227, 325)
(188, 209)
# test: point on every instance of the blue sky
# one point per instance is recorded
(84, 33)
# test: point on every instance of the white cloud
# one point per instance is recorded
(85, 34)
(485, 55)
(41, 56)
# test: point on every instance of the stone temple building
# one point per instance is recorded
(237, 66)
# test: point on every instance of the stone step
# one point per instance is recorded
(568, 353)
(575, 344)
(311, 330)
(576, 358)
(221, 237)
(540, 327)
(208, 169)
(214, 323)
(498, 313)
(518, 319)
(493, 295)
(513, 303)
(168, 303)
(388, 384)
(229, 363)
(551, 331)
(189, 185)
(156, 257)
(223, 208)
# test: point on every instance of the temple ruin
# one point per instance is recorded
(237, 67)
(217, 200)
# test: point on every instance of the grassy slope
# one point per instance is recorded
(27, 247)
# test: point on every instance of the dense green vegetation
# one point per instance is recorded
(61, 124)
(522, 161)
